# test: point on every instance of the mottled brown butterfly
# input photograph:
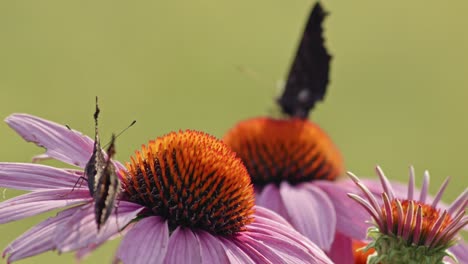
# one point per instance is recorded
(309, 74)
(100, 172)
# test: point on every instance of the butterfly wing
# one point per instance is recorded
(309, 74)
(107, 188)
(95, 166)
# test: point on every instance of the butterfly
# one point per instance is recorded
(100, 172)
(309, 74)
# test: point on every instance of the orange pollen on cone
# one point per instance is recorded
(429, 215)
(292, 150)
(360, 256)
(193, 180)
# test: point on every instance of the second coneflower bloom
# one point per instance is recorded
(294, 167)
(411, 229)
(185, 198)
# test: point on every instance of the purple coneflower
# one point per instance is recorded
(295, 167)
(409, 229)
(185, 198)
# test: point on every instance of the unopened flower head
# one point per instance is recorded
(186, 198)
(410, 229)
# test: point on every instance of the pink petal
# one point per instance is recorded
(425, 187)
(385, 183)
(459, 202)
(341, 250)
(146, 242)
(81, 231)
(440, 193)
(278, 250)
(411, 184)
(311, 212)
(285, 233)
(351, 217)
(252, 252)
(32, 177)
(63, 144)
(34, 203)
(82, 253)
(235, 254)
(211, 248)
(271, 215)
(267, 251)
(184, 247)
(270, 198)
(37, 239)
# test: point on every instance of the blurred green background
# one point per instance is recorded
(397, 96)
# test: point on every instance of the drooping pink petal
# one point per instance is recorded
(34, 203)
(146, 242)
(38, 239)
(33, 177)
(211, 248)
(63, 144)
(254, 254)
(341, 250)
(235, 254)
(81, 230)
(183, 247)
(270, 197)
(309, 209)
(350, 217)
(262, 212)
(269, 227)
(278, 250)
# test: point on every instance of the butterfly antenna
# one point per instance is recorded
(96, 116)
(120, 133)
(253, 75)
